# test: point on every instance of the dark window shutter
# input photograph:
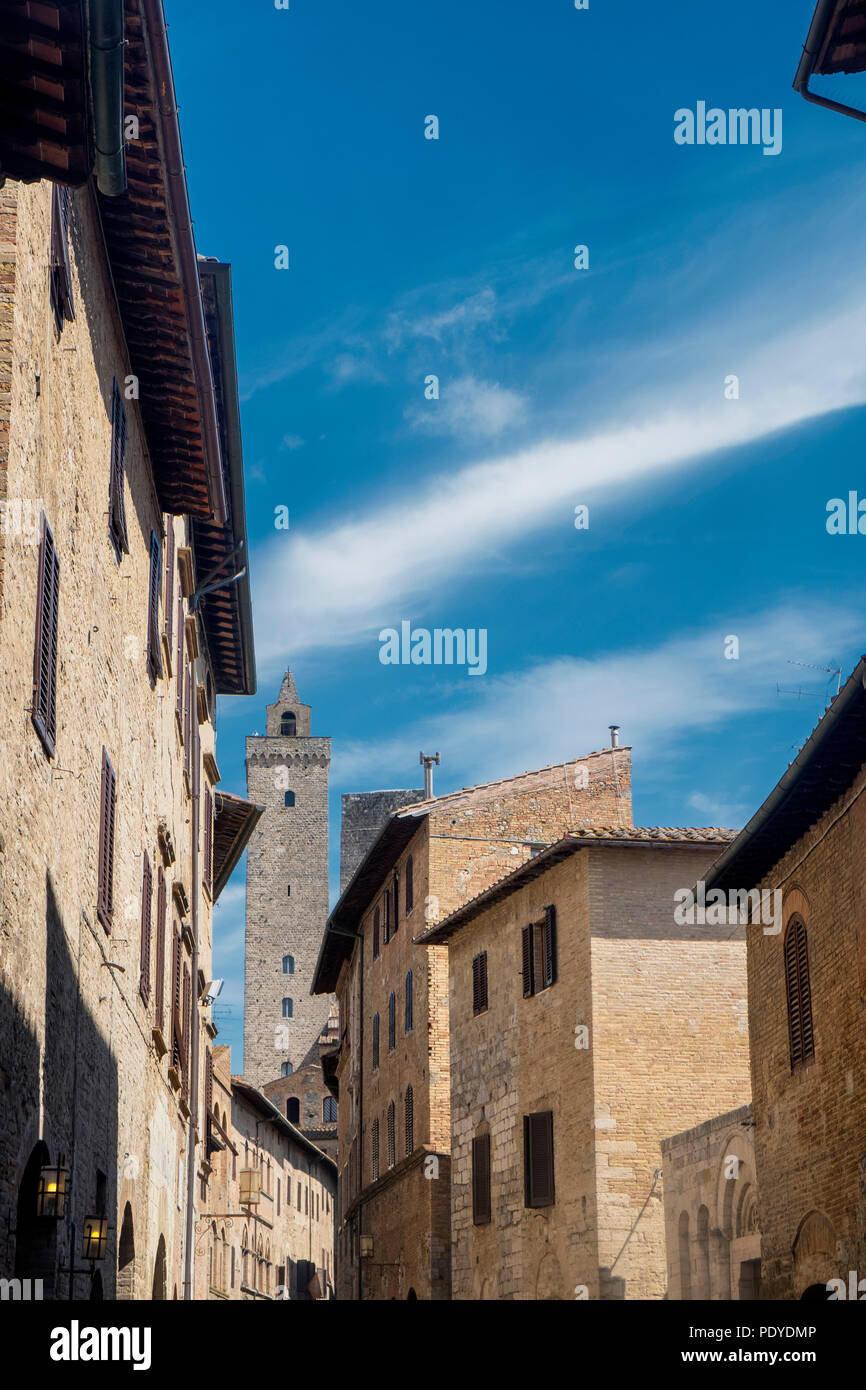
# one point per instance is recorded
(146, 896)
(538, 1159)
(208, 1091)
(154, 655)
(392, 1151)
(392, 1022)
(375, 933)
(179, 663)
(176, 1025)
(481, 1180)
(208, 839)
(375, 1040)
(395, 897)
(116, 504)
(528, 963)
(44, 709)
(410, 886)
(407, 1008)
(61, 265)
(479, 983)
(409, 1116)
(386, 913)
(169, 580)
(549, 946)
(105, 867)
(799, 993)
(375, 1149)
(159, 992)
(187, 719)
(186, 1032)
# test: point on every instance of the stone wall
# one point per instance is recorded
(363, 818)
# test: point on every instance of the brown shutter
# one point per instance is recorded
(61, 266)
(154, 655)
(208, 839)
(549, 933)
(186, 1032)
(391, 1136)
(116, 504)
(396, 899)
(146, 895)
(392, 1021)
(799, 993)
(44, 708)
(187, 722)
(169, 581)
(105, 866)
(208, 1094)
(375, 933)
(528, 963)
(410, 886)
(481, 1180)
(176, 1025)
(409, 1108)
(159, 994)
(375, 1040)
(375, 1169)
(538, 1159)
(479, 983)
(179, 662)
(408, 1011)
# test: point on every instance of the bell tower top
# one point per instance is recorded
(288, 717)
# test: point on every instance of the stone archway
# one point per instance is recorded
(126, 1258)
(160, 1283)
(814, 1251)
(548, 1280)
(35, 1236)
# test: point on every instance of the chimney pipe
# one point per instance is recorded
(427, 760)
(614, 735)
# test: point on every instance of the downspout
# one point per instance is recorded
(811, 49)
(188, 1289)
(105, 41)
(179, 214)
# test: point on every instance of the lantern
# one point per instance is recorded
(51, 1197)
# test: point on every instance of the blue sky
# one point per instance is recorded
(558, 387)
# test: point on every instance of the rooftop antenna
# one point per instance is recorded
(800, 692)
(427, 760)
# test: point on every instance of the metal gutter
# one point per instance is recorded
(105, 43)
(155, 34)
(815, 38)
(850, 692)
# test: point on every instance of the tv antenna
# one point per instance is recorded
(811, 693)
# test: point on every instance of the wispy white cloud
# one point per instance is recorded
(482, 409)
(338, 584)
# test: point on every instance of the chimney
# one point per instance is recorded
(427, 760)
(614, 735)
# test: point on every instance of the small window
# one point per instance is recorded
(116, 504)
(288, 724)
(479, 983)
(539, 954)
(395, 903)
(386, 916)
(154, 654)
(409, 1108)
(329, 1110)
(410, 886)
(408, 1005)
(105, 863)
(288, 965)
(44, 707)
(288, 1008)
(799, 993)
(392, 1150)
(392, 1022)
(146, 904)
(538, 1159)
(61, 267)
(376, 934)
(286, 1069)
(375, 1154)
(290, 799)
(481, 1180)
(375, 1040)
(293, 1110)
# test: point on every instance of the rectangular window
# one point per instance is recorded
(146, 896)
(208, 840)
(176, 1003)
(481, 1180)
(179, 664)
(159, 994)
(169, 580)
(186, 1033)
(376, 933)
(539, 953)
(105, 866)
(61, 266)
(116, 504)
(375, 1040)
(386, 916)
(154, 654)
(44, 708)
(479, 983)
(538, 1159)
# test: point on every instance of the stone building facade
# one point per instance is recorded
(287, 891)
(363, 818)
(807, 1004)
(268, 1228)
(304, 1097)
(392, 1068)
(586, 1025)
(711, 1210)
(122, 490)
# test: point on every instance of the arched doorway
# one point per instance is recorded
(96, 1294)
(159, 1272)
(35, 1236)
(126, 1257)
(411, 1296)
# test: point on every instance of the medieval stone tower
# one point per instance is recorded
(287, 889)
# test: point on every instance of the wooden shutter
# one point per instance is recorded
(116, 504)
(159, 993)
(187, 721)
(386, 916)
(208, 1091)
(61, 266)
(538, 1159)
(154, 654)
(391, 1136)
(481, 1180)
(408, 1023)
(409, 1116)
(375, 933)
(375, 1149)
(392, 1022)
(396, 900)
(105, 866)
(186, 1030)
(169, 581)
(479, 983)
(146, 895)
(375, 1040)
(208, 839)
(179, 664)
(176, 1025)
(528, 963)
(799, 993)
(410, 886)
(44, 707)
(549, 938)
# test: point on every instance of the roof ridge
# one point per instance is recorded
(515, 777)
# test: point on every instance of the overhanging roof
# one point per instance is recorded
(44, 100)
(270, 1112)
(836, 43)
(823, 770)
(234, 822)
(337, 942)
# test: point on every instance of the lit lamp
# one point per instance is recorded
(51, 1198)
(250, 1187)
(94, 1238)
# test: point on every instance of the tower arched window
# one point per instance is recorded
(288, 723)
(288, 1008)
(286, 1068)
(290, 798)
(799, 993)
(392, 1022)
(329, 1110)
(288, 965)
